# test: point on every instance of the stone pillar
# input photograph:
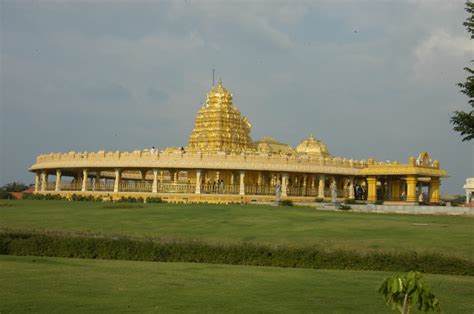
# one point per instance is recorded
(305, 184)
(175, 177)
(284, 185)
(242, 183)
(84, 180)
(411, 188)
(97, 180)
(434, 190)
(259, 179)
(351, 188)
(154, 186)
(118, 174)
(396, 190)
(143, 174)
(232, 181)
(321, 186)
(57, 187)
(44, 180)
(37, 182)
(372, 189)
(198, 181)
(420, 192)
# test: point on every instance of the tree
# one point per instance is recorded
(404, 291)
(464, 121)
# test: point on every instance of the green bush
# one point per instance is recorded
(154, 200)
(350, 201)
(31, 196)
(319, 199)
(85, 198)
(344, 207)
(286, 203)
(5, 195)
(103, 247)
(131, 199)
(14, 187)
(378, 202)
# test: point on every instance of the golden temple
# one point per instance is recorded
(221, 163)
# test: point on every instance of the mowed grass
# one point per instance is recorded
(64, 285)
(293, 226)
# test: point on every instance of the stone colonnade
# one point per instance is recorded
(198, 181)
(398, 188)
(201, 181)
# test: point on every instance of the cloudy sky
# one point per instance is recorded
(369, 78)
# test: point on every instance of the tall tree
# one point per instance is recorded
(464, 121)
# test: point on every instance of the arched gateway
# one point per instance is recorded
(222, 164)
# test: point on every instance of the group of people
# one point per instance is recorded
(214, 187)
(153, 150)
(360, 193)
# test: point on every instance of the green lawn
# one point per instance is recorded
(62, 285)
(294, 226)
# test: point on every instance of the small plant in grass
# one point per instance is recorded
(404, 291)
(344, 207)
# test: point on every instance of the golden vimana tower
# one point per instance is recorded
(219, 125)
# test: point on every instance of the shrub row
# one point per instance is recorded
(91, 198)
(124, 248)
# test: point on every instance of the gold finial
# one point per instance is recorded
(311, 136)
(219, 83)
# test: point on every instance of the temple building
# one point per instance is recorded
(222, 164)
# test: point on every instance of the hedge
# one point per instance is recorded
(149, 249)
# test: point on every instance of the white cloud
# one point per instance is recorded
(439, 53)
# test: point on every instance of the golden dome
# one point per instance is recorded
(219, 125)
(312, 146)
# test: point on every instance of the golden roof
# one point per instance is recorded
(270, 145)
(219, 125)
(312, 146)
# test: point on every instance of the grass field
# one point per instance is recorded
(64, 285)
(293, 226)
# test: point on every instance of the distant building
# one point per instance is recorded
(221, 163)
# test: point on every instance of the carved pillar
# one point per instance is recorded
(434, 190)
(198, 181)
(411, 188)
(284, 184)
(57, 187)
(44, 180)
(118, 174)
(154, 186)
(242, 183)
(321, 186)
(97, 180)
(143, 174)
(232, 180)
(305, 183)
(396, 190)
(175, 177)
(371, 188)
(37, 182)
(420, 192)
(84, 180)
(351, 188)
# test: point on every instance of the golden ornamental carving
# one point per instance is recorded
(219, 126)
